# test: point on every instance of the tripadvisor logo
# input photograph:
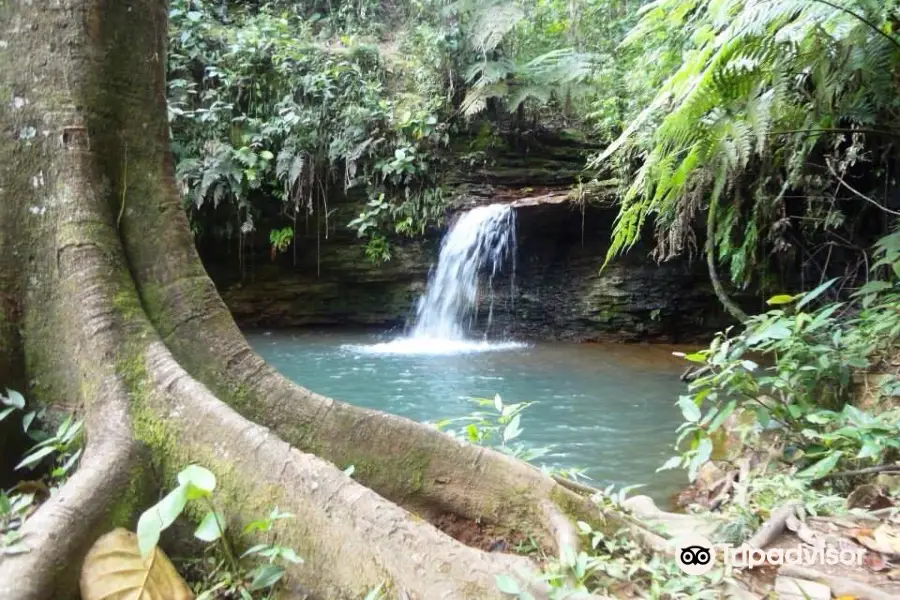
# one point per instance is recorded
(696, 555)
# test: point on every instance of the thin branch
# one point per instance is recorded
(861, 18)
(837, 130)
(866, 471)
(857, 192)
(575, 486)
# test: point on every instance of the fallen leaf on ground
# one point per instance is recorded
(114, 568)
(875, 562)
(884, 539)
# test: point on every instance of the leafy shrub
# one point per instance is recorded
(807, 389)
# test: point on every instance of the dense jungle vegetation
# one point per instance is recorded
(759, 136)
(280, 108)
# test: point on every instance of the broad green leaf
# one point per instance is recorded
(63, 428)
(35, 457)
(498, 403)
(160, 516)
(350, 470)
(14, 398)
(870, 449)
(821, 417)
(254, 549)
(673, 463)
(873, 287)
(375, 593)
(568, 556)
(210, 528)
(780, 299)
(749, 365)
(512, 430)
(704, 450)
(689, 410)
(70, 462)
(71, 432)
(508, 585)
(198, 477)
(810, 296)
(723, 414)
(265, 576)
(290, 555)
(6, 412)
(822, 467)
(27, 420)
(774, 330)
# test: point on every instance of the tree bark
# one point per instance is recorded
(109, 313)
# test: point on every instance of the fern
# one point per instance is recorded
(754, 69)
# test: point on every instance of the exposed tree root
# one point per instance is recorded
(774, 526)
(840, 586)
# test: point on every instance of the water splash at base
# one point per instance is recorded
(433, 347)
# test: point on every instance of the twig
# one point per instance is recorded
(774, 525)
(892, 468)
(813, 132)
(740, 496)
(575, 486)
(857, 192)
(840, 586)
(862, 19)
(728, 483)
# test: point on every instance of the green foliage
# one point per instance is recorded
(65, 443)
(14, 509)
(280, 239)
(268, 120)
(763, 494)
(58, 451)
(614, 565)
(550, 57)
(497, 428)
(772, 100)
(280, 111)
(805, 392)
(231, 575)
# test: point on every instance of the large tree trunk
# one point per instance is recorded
(107, 311)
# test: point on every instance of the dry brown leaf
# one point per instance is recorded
(875, 562)
(884, 539)
(115, 570)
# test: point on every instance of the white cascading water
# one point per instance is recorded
(481, 240)
(478, 247)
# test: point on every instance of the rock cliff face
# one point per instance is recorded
(559, 292)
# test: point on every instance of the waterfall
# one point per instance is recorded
(478, 247)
